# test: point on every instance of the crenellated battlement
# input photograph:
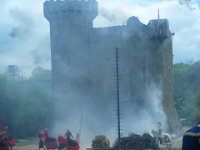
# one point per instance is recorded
(87, 8)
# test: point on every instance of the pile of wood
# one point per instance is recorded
(100, 142)
(137, 142)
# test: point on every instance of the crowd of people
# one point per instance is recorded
(43, 136)
(191, 139)
(6, 141)
(3, 132)
(65, 141)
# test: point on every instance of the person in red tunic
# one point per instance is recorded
(49, 142)
(6, 131)
(41, 142)
(1, 127)
(3, 132)
(46, 134)
(62, 142)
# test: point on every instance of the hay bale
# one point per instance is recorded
(100, 142)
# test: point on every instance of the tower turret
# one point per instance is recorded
(159, 29)
(74, 14)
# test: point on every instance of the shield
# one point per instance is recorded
(191, 139)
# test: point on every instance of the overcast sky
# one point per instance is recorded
(24, 32)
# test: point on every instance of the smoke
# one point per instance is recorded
(40, 56)
(16, 32)
(80, 105)
(191, 4)
(113, 16)
(144, 118)
(23, 22)
(24, 35)
(84, 81)
(32, 36)
(85, 84)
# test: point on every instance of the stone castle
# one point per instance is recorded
(83, 62)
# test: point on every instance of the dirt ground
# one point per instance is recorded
(177, 145)
(29, 144)
(28, 147)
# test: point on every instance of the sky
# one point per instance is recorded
(24, 32)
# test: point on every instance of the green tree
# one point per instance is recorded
(186, 89)
(41, 74)
(26, 105)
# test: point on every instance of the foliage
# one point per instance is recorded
(25, 105)
(187, 90)
(180, 68)
(41, 74)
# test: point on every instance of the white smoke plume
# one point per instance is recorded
(144, 119)
(191, 4)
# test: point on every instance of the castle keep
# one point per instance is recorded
(83, 61)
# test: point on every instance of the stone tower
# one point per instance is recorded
(82, 64)
(162, 69)
(71, 26)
